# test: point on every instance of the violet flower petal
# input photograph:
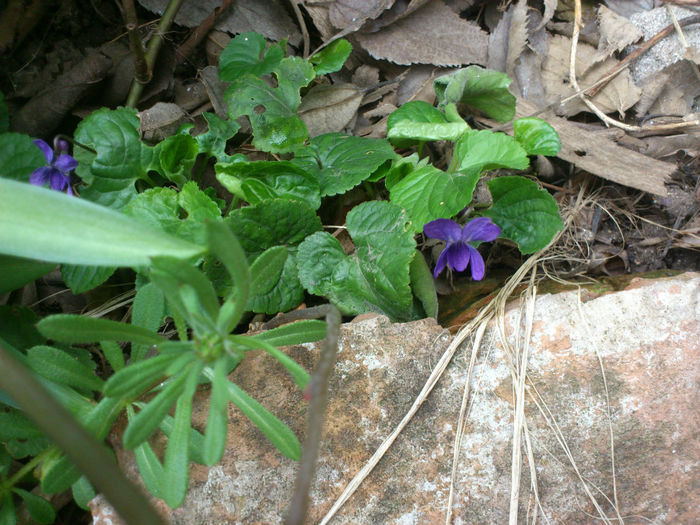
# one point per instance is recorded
(58, 180)
(458, 256)
(65, 163)
(440, 264)
(45, 149)
(444, 229)
(477, 263)
(480, 229)
(41, 176)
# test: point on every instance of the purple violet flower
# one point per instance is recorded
(60, 165)
(458, 253)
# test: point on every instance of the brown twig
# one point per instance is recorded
(318, 390)
(142, 73)
(187, 47)
(643, 48)
(302, 26)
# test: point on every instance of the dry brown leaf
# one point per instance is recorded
(417, 84)
(382, 110)
(325, 109)
(619, 94)
(160, 121)
(267, 17)
(527, 78)
(431, 35)
(353, 13)
(616, 32)
(550, 7)
(398, 11)
(507, 41)
(365, 76)
(318, 11)
(679, 94)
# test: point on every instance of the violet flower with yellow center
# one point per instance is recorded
(458, 252)
(60, 166)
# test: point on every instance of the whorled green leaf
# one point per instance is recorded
(58, 366)
(121, 157)
(256, 182)
(17, 327)
(80, 278)
(83, 492)
(244, 55)
(299, 375)
(275, 223)
(536, 136)
(340, 162)
(176, 467)
(297, 333)
(196, 440)
(148, 311)
(163, 208)
(374, 279)
(131, 381)
(483, 150)
(267, 268)
(19, 156)
(150, 468)
(429, 193)
(215, 434)
(48, 225)
(15, 425)
(176, 156)
(213, 141)
(18, 271)
(418, 121)
(483, 89)
(272, 111)
(525, 213)
(39, 509)
(70, 328)
(332, 57)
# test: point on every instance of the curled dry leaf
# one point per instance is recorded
(616, 32)
(345, 14)
(326, 109)
(433, 34)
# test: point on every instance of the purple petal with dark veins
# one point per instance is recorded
(65, 163)
(477, 262)
(45, 149)
(458, 256)
(480, 229)
(41, 176)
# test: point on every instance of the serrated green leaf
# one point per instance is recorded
(525, 213)
(15, 425)
(277, 432)
(114, 354)
(21, 448)
(275, 223)
(48, 225)
(176, 465)
(213, 141)
(39, 509)
(176, 156)
(244, 55)
(340, 162)
(429, 193)
(4, 115)
(272, 111)
(376, 277)
(423, 285)
(418, 121)
(58, 366)
(19, 156)
(256, 182)
(18, 271)
(267, 268)
(83, 492)
(536, 136)
(332, 57)
(81, 278)
(131, 381)
(121, 157)
(484, 89)
(297, 333)
(148, 419)
(70, 328)
(148, 311)
(484, 150)
(215, 434)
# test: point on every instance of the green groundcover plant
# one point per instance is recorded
(203, 262)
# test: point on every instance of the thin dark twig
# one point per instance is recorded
(302, 26)
(318, 390)
(187, 47)
(142, 73)
(81, 448)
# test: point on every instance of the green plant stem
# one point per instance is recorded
(27, 468)
(154, 45)
(83, 449)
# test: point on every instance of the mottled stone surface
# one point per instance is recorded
(647, 338)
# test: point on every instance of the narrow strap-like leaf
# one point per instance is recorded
(297, 333)
(215, 434)
(69, 328)
(135, 378)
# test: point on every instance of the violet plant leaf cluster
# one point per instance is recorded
(459, 252)
(59, 166)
